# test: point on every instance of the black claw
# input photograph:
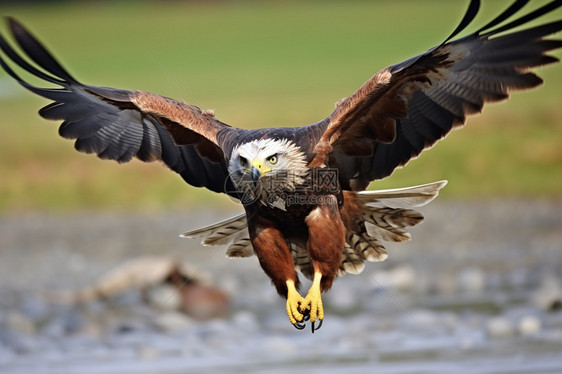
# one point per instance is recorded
(299, 325)
(320, 321)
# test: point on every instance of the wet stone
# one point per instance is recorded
(472, 280)
(172, 321)
(164, 297)
(19, 323)
(529, 325)
(34, 308)
(499, 327)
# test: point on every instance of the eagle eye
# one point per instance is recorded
(272, 159)
(244, 162)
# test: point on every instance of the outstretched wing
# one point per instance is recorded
(405, 108)
(119, 124)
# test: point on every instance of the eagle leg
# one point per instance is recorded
(276, 260)
(326, 239)
(294, 303)
(313, 300)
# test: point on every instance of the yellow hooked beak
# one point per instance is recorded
(258, 169)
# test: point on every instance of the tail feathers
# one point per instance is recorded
(389, 223)
(241, 246)
(351, 262)
(403, 197)
(366, 246)
(219, 233)
(384, 218)
(380, 224)
(231, 231)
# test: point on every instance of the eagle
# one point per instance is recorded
(304, 189)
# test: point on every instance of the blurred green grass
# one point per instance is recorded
(258, 64)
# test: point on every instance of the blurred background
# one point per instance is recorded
(480, 281)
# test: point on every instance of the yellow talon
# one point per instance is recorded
(294, 300)
(313, 300)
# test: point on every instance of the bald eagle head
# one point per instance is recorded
(267, 168)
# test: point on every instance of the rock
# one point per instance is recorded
(203, 302)
(73, 321)
(421, 319)
(529, 325)
(63, 322)
(549, 294)
(18, 322)
(18, 342)
(34, 308)
(164, 297)
(172, 321)
(472, 280)
(444, 283)
(401, 278)
(164, 282)
(134, 274)
(499, 327)
(127, 299)
(53, 329)
(147, 352)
